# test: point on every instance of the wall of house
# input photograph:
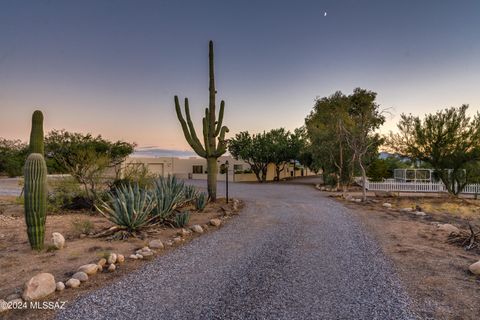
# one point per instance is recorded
(184, 168)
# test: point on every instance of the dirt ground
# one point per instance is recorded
(18, 263)
(435, 273)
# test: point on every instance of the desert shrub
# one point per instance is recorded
(129, 207)
(64, 193)
(80, 226)
(190, 193)
(169, 194)
(201, 201)
(135, 173)
(182, 218)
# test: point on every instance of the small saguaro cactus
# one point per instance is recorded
(36, 135)
(35, 175)
(212, 130)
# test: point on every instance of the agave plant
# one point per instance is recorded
(201, 201)
(129, 207)
(190, 193)
(169, 194)
(182, 218)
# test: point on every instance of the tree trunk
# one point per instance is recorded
(364, 180)
(212, 169)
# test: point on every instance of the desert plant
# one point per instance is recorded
(212, 130)
(63, 193)
(182, 218)
(35, 198)
(190, 193)
(201, 201)
(80, 226)
(36, 135)
(169, 194)
(129, 207)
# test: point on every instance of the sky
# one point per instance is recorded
(113, 67)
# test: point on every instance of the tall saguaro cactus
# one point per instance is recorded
(36, 135)
(35, 175)
(212, 131)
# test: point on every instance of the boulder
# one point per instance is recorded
(184, 232)
(177, 239)
(82, 276)
(73, 283)
(196, 228)
(387, 205)
(406, 209)
(58, 240)
(89, 269)
(139, 256)
(39, 286)
(111, 267)
(102, 262)
(448, 228)
(99, 268)
(145, 254)
(419, 213)
(112, 258)
(475, 268)
(133, 257)
(156, 244)
(215, 222)
(120, 258)
(60, 286)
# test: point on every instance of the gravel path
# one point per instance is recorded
(291, 254)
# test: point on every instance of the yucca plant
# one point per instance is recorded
(169, 194)
(129, 207)
(201, 201)
(190, 193)
(182, 218)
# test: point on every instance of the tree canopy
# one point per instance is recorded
(448, 140)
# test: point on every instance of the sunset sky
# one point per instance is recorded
(113, 67)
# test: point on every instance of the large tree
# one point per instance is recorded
(364, 118)
(325, 130)
(12, 157)
(86, 157)
(448, 140)
(254, 150)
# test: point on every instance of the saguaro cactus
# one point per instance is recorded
(35, 175)
(36, 135)
(212, 130)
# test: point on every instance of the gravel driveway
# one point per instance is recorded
(291, 254)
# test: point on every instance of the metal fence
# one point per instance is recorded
(395, 186)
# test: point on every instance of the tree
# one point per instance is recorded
(212, 130)
(325, 129)
(254, 150)
(448, 140)
(86, 157)
(12, 157)
(364, 117)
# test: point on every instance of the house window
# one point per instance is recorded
(237, 167)
(197, 169)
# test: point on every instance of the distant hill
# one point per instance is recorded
(152, 152)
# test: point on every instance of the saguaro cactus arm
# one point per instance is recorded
(188, 128)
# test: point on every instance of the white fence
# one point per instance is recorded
(416, 187)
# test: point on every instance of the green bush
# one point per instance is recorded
(201, 201)
(64, 193)
(182, 218)
(190, 193)
(169, 194)
(80, 226)
(128, 207)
